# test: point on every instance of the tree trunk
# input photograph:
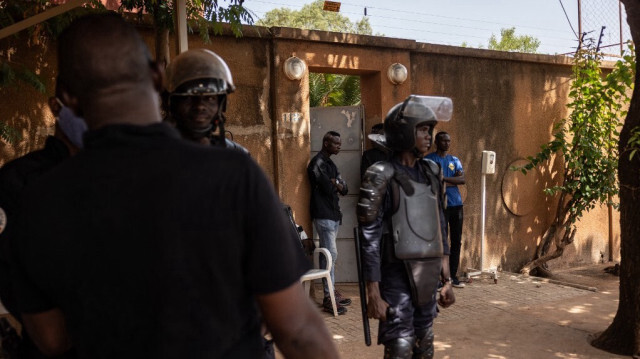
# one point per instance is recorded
(162, 47)
(623, 335)
(560, 244)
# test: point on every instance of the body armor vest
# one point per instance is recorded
(416, 223)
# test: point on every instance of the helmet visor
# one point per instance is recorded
(202, 87)
(416, 106)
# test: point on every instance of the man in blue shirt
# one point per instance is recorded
(453, 176)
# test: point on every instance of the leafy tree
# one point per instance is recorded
(466, 44)
(13, 11)
(14, 72)
(324, 89)
(510, 42)
(205, 14)
(9, 133)
(333, 90)
(587, 141)
(623, 335)
(312, 17)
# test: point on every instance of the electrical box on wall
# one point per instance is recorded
(488, 162)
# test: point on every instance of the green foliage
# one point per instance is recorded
(312, 17)
(333, 90)
(588, 138)
(207, 14)
(324, 89)
(634, 142)
(14, 11)
(8, 133)
(13, 73)
(510, 42)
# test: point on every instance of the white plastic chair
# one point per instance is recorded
(318, 273)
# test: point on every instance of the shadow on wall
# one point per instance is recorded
(294, 180)
(539, 121)
(504, 119)
(24, 107)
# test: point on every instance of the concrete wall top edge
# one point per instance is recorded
(341, 38)
(282, 33)
(493, 54)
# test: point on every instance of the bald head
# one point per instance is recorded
(100, 52)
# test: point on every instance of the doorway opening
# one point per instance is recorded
(335, 105)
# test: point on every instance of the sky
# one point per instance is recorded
(452, 22)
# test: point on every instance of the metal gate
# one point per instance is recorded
(348, 122)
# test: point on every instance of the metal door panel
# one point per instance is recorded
(349, 220)
(346, 270)
(348, 122)
(348, 164)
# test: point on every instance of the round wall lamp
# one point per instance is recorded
(397, 73)
(294, 68)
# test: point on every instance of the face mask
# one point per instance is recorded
(72, 126)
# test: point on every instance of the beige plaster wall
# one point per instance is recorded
(22, 106)
(503, 102)
(507, 103)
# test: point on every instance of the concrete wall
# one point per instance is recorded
(503, 102)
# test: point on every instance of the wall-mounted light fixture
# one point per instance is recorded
(294, 68)
(397, 73)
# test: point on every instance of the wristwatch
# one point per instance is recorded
(446, 280)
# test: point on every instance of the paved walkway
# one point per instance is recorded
(516, 318)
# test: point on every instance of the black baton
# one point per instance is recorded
(363, 291)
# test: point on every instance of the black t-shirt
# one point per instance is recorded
(14, 177)
(324, 195)
(154, 247)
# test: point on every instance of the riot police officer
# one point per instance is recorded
(404, 251)
(197, 84)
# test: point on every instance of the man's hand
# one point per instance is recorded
(338, 183)
(376, 306)
(296, 325)
(447, 298)
(455, 180)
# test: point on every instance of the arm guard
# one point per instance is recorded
(373, 190)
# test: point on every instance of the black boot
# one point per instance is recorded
(424, 344)
(327, 307)
(399, 348)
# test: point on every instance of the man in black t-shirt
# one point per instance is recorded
(14, 177)
(151, 246)
(326, 184)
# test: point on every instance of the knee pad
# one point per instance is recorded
(399, 348)
(424, 344)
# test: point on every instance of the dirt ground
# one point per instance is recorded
(518, 317)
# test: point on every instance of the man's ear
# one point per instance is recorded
(157, 75)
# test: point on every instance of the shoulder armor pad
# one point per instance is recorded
(433, 166)
(436, 170)
(373, 190)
